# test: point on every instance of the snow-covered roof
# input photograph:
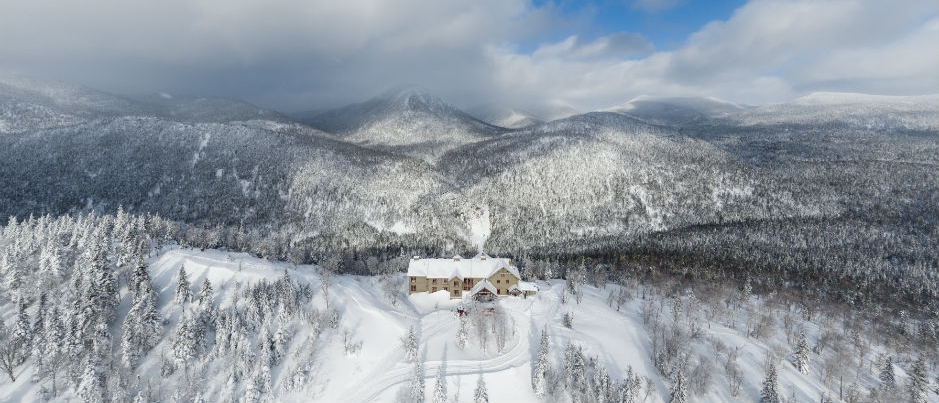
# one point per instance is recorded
(481, 266)
(525, 287)
(480, 286)
(481, 256)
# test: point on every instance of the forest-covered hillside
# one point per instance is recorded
(837, 190)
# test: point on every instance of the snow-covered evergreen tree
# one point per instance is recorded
(206, 293)
(38, 332)
(440, 391)
(919, 381)
(51, 273)
(183, 288)
(55, 354)
(602, 387)
(410, 345)
(23, 331)
(801, 356)
(629, 392)
(279, 342)
(887, 379)
(141, 329)
(416, 386)
(481, 395)
(540, 369)
(679, 391)
(770, 390)
(91, 385)
(188, 341)
(461, 335)
(575, 370)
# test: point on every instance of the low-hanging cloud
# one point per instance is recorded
(301, 54)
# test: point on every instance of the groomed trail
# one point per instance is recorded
(392, 372)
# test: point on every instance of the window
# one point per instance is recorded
(456, 283)
(413, 279)
(498, 281)
(413, 288)
(435, 289)
(434, 281)
(446, 289)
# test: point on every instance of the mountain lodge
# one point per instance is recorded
(481, 277)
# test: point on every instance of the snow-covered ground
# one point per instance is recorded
(376, 369)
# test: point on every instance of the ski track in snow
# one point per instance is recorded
(391, 372)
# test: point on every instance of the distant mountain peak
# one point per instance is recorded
(843, 98)
(404, 119)
(676, 110)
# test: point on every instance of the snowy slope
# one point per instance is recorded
(376, 369)
(507, 117)
(677, 110)
(407, 120)
(30, 104)
(871, 112)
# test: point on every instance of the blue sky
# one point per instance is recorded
(666, 27)
(292, 55)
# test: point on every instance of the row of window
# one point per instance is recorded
(455, 283)
(470, 281)
(455, 292)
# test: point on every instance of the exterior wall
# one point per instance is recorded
(503, 280)
(418, 284)
(456, 288)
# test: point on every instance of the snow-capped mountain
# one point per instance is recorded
(408, 120)
(218, 110)
(507, 117)
(407, 167)
(30, 104)
(869, 112)
(603, 174)
(677, 110)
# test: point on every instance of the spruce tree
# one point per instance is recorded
(55, 354)
(23, 331)
(461, 335)
(410, 345)
(539, 371)
(679, 391)
(887, 379)
(481, 395)
(919, 383)
(602, 387)
(630, 389)
(802, 354)
(141, 329)
(91, 385)
(770, 391)
(206, 293)
(140, 279)
(183, 287)
(440, 393)
(416, 390)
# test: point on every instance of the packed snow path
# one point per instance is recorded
(393, 372)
